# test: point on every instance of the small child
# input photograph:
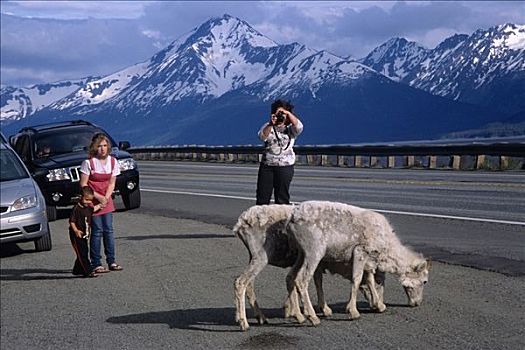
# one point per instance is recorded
(79, 232)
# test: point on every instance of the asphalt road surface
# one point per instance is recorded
(474, 219)
(180, 260)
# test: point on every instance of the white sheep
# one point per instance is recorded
(360, 237)
(262, 229)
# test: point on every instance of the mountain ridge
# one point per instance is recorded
(225, 60)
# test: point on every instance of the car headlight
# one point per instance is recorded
(24, 203)
(58, 174)
(127, 164)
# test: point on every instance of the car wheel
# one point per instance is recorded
(51, 211)
(44, 243)
(132, 200)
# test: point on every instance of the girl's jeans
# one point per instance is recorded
(102, 228)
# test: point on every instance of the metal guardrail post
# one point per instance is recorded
(432, 162)
(358, 161)
(480, 161)
(410, 161)
(503, 163)
(373, 162)
(456, 162)
(391, 162)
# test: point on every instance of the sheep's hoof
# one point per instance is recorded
(315, 320)
(262, 319)
(287, 311)
(327, 311)
(300, 318)
(354, 315)
(381, 308)
(244, 325)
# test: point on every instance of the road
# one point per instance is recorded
(470, 218)
(180, 260)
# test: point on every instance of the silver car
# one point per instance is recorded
(22, 206)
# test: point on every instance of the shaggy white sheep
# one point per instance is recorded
(262, 229)
(362, 238)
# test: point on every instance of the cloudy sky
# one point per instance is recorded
(47, 41)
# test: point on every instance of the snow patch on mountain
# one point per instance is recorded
(101, 90)
(19, 103)
(396, 58)
(460, 66)
(515, 37)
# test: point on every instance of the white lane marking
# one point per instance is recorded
(378, 210)
(195, 194)
(451, 217)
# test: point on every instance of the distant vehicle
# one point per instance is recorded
(53, 154)
(22, 205)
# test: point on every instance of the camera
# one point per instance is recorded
(280, 116)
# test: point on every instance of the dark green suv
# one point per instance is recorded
(53, 154)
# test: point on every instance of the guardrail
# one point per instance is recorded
(472, 156)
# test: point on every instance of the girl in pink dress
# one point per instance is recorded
(100, 172)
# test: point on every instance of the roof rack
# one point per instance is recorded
(47, 126)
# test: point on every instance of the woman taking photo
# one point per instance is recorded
(277, 166)
(100, 172)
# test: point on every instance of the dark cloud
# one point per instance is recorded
(92, 46)
(363, 30)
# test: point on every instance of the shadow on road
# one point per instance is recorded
(195, 319)
(176, 236)
(208, 320)
(218, 319)
(34, 274)
(11, 249)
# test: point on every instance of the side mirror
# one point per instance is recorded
(40, 172)
(12, 141)
(124, 145)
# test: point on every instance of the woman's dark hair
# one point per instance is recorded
(281, 103)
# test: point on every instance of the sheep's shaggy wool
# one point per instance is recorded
(263, 230)
(344, 233)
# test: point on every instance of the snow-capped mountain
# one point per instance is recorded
(18, 103)
(214, 84)
(486, 68)
(222, 55)
(396, 58)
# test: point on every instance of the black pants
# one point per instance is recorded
(274, 179)
(81, 247)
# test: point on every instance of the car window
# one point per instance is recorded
(67, 141)
(10, 166)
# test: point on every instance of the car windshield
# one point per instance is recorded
(66, 141)
(10, 166)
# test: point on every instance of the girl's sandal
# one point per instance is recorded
(100, 269)
(115, 267)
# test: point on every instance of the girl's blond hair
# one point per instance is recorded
(95, 141)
